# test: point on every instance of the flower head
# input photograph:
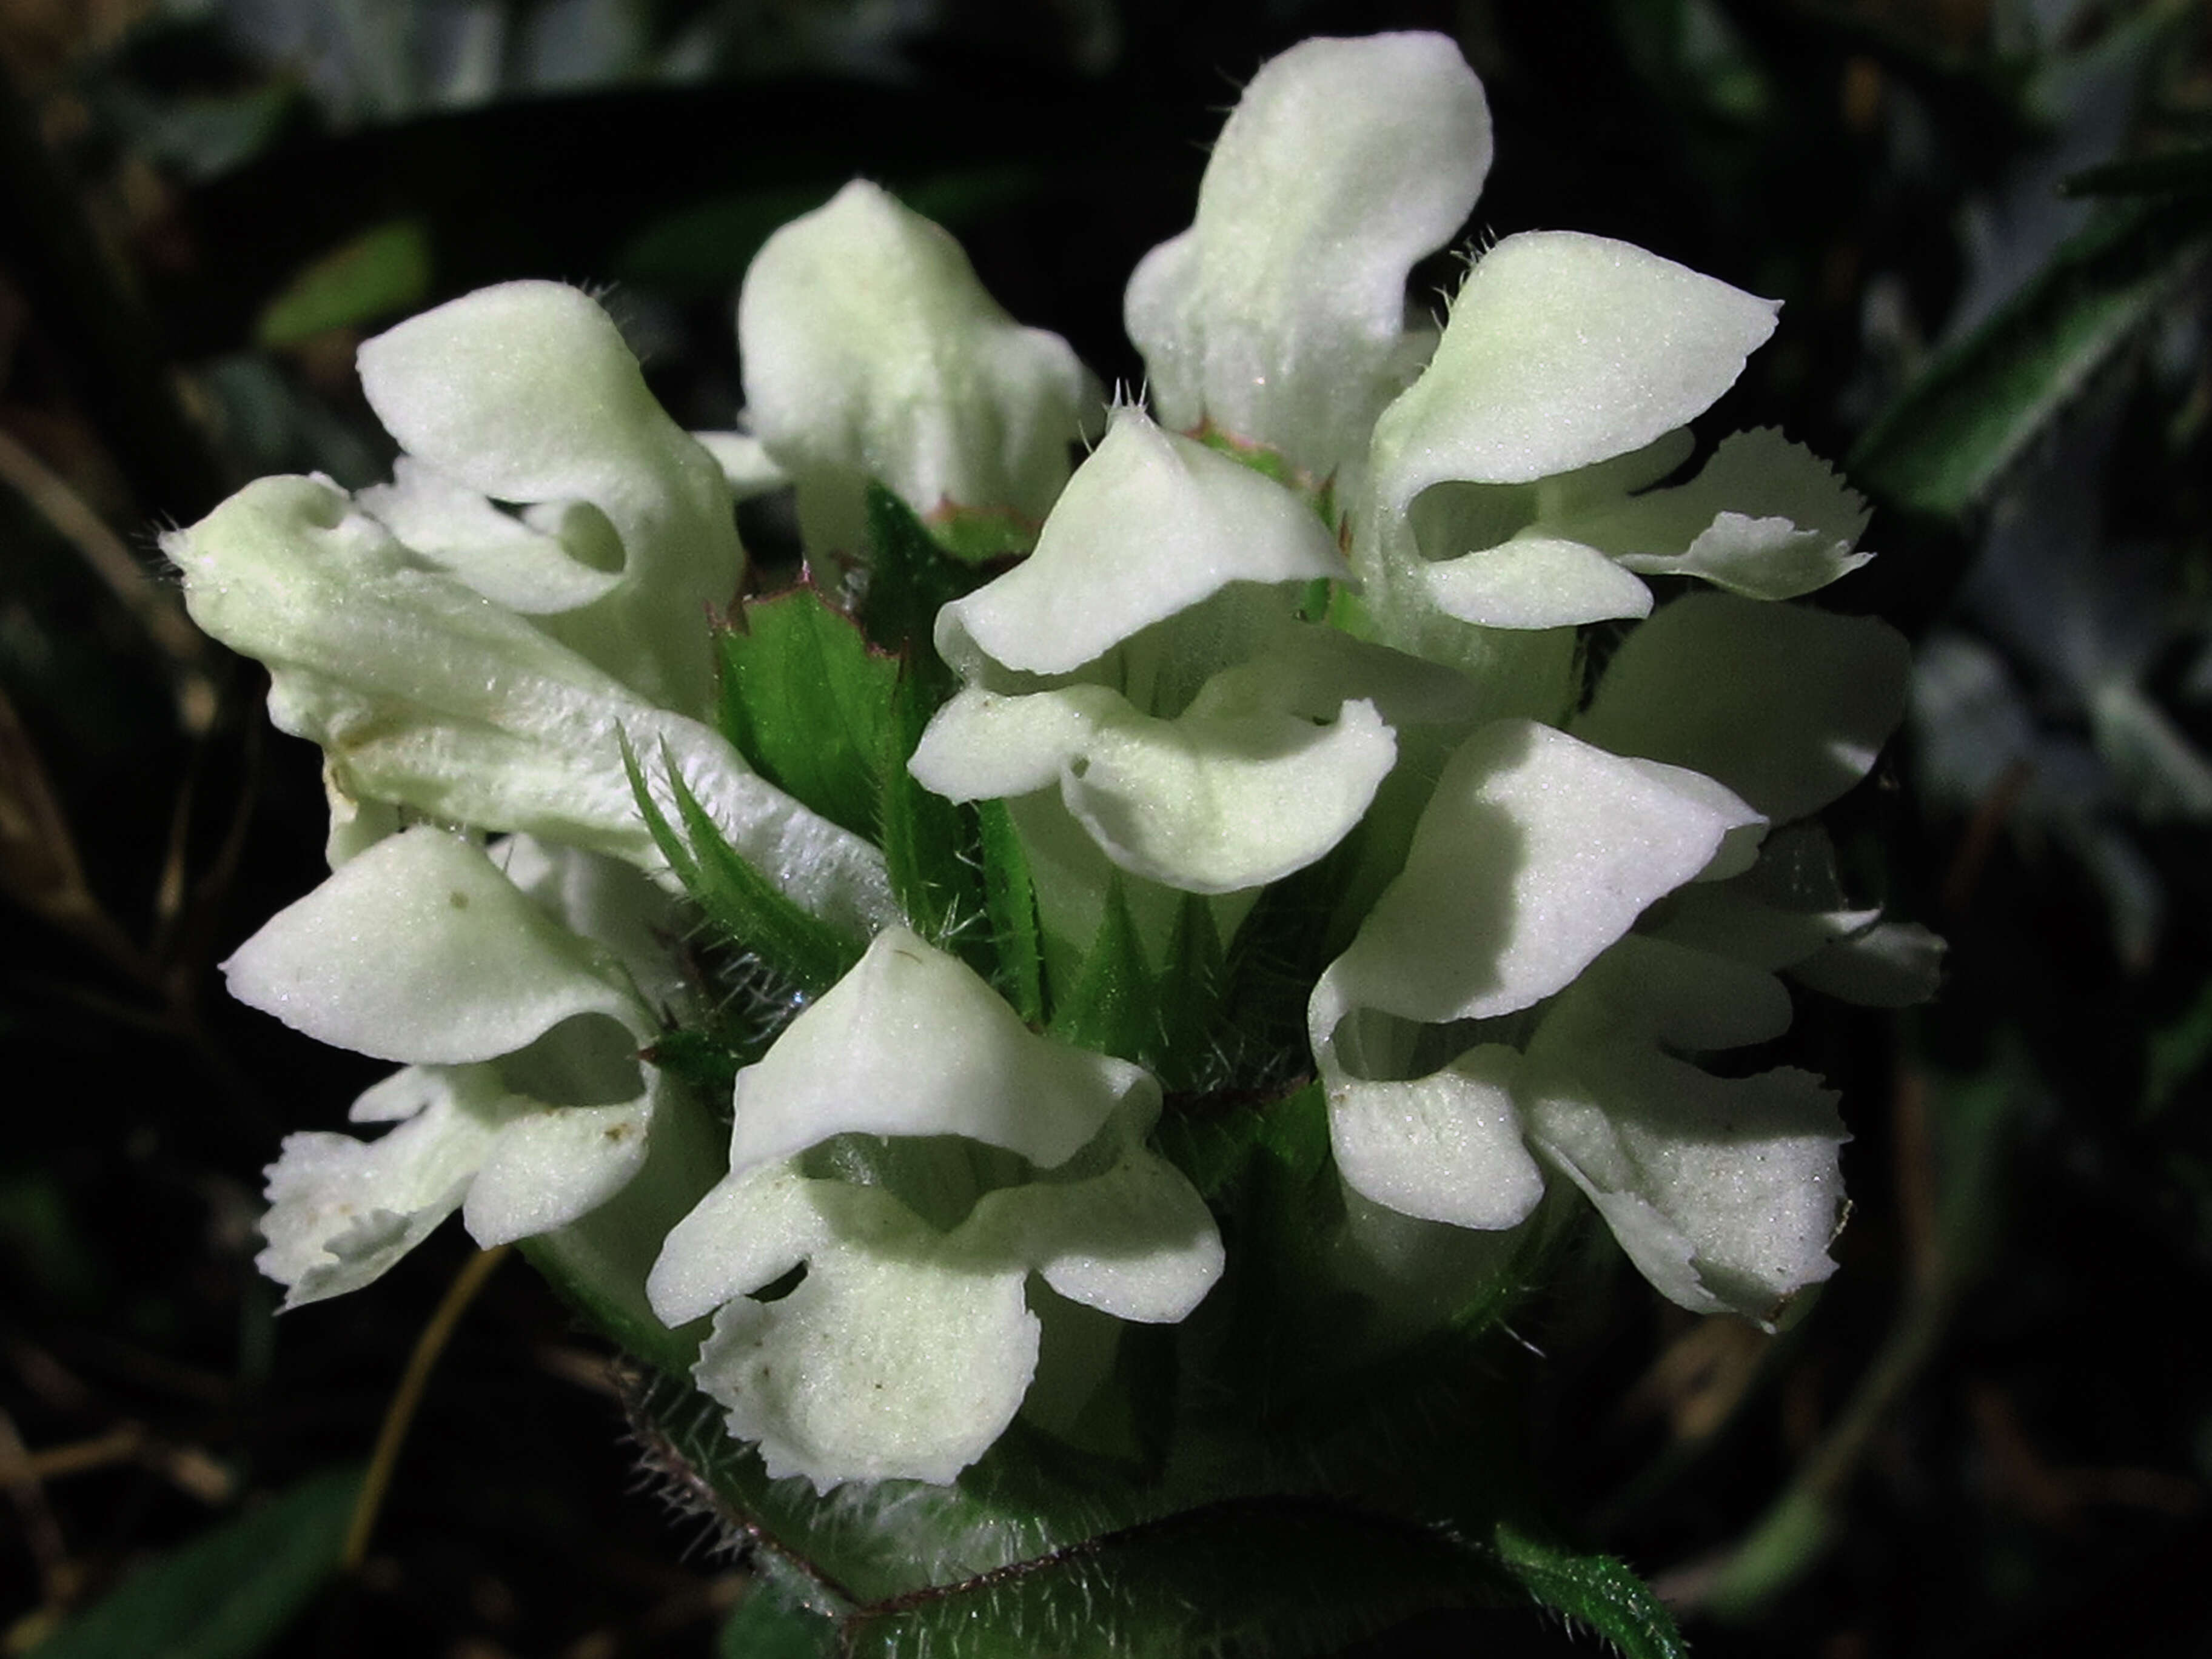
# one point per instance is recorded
(1309, 622)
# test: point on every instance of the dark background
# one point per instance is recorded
(1998, 1403)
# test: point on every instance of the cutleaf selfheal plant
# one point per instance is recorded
(1057, 1040)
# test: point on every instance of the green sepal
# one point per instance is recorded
(1188, 993)
(809, 703)
(1010, 902)
(911, 577)
(764, 1626)
(1163, 1018)
(927, 840)
(975, 535)
(1114, 1006)
(700, 1058)
(738, 900)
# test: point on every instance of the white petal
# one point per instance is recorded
(754, 1226)
(403, 1095)
(881, 1366)
(1151, 524)
(342, 1210)
(746, 463)
(871, 352)
(901, 1354)
(609, 903)
(547, 1168)
(1647, 994)
(912, 1042)
(423, 693)
(1213, 806)
(1765, 518)
(527, 393)
(1535, 854)
(525, 569)
(1136, 1241)
(355, 825)
(1563, 350)
(1534, 581)
(1786, 705)
(984, 746)
(1726, 920)
(421, 950)
(1209, 803)
(1445, 1147)
(1894, 965)
(1725, 1191)
(1279, 315)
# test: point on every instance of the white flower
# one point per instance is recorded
(907, 1346)
(1504, 481)
(873, 355)
(1278, 318)
(1147, 664)
(483, 670)
(522, 1103)
(1538, 854)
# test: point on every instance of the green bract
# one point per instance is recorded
(1257, 845)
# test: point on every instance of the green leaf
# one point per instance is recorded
(809, 703)
(1113, 1006)
(749, 913)
(230, 1593)
(1274, 1576)
(766, 1626)
(911, 577)
(1944, 444)
(1596, 1591)
(1010, 901)
(1040, 1548)
(381, 272)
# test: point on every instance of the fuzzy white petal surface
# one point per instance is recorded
(1445, 1147)
(343, 1210)
(424, 694)
(1785, 705)
(871, 352)
(1151, 524)
(1279, 315)
(527, 393)
(880, 1366)
(421, 950)
(1563, 350)
(547, 1168)
(912, 1042)
(1535, 854)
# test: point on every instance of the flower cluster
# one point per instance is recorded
(1317, 610)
